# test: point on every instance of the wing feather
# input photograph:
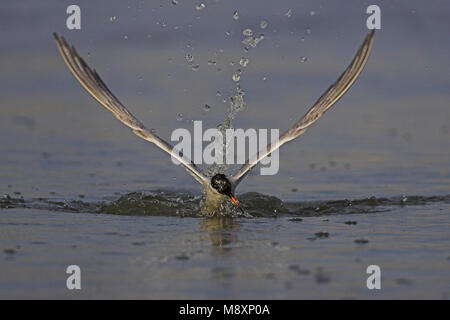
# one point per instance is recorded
(94, 85)
(326, 100)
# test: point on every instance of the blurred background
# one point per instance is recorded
(166, 60)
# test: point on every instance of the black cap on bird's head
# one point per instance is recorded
(221, 183)
(223, 186)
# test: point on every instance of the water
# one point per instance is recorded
(184, 204)
(165, 256)
(367, 184)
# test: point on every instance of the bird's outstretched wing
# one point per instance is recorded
(93, 84)
(330, 97)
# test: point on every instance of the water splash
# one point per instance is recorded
(175, 203)
(189, 58)
(247, 32)
(253, 41)
(263, 24)
(237, 75)
(200, 6)
(244, 62)
(237, 104)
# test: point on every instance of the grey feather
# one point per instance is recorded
(95, 86)
(326, 100)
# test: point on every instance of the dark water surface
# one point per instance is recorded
(369, 183)
(173, 257)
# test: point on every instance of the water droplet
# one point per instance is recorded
(247, 32)
(288, 13)
(218, 93)
(260, 38)
(212, 62)
(206, 107)
(308, 30)
(311, 13)
(195, 68)
(113, 18)
(200, 6)
(153, 130)
(235, 15)
(125, 37)
(263, 24)
(302, 39)
(253, 41)
(248, 41)
(243, 62)
(264, 78)
(303, 59)
(237, 75)
(179, 117)
(189, 58)
(174, 2)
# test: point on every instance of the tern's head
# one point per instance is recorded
(223, 186)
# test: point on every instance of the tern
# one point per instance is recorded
(219, 188)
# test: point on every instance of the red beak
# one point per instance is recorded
(236, 203)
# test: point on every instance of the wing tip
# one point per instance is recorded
(57, 38)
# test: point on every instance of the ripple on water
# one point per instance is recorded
(175, 203)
